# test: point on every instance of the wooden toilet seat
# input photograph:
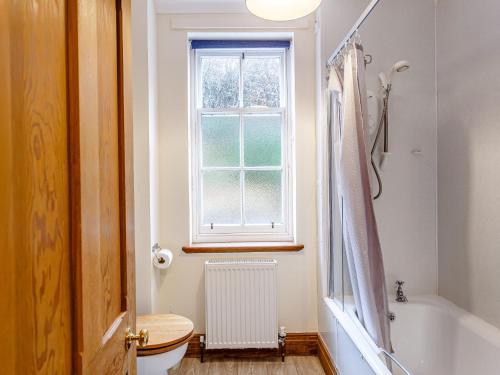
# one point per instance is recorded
(166, 332)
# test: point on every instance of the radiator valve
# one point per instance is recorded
(202, 348)
(281, 342)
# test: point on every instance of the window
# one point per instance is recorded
(241, 142)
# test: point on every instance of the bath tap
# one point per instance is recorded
(400, 296)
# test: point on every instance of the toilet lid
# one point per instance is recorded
(166, 332)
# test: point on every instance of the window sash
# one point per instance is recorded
(243, 231)
(199, 54)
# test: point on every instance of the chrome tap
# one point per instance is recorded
(400, 296)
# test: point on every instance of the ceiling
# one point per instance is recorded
(201, 6)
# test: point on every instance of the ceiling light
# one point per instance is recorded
(282, 10)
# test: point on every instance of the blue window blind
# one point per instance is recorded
(205, 44)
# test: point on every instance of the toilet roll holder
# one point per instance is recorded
(155, 249)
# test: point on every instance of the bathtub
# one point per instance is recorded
(432, 336)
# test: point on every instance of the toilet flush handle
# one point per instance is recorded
(142, 338)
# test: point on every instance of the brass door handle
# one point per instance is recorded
(142, 338)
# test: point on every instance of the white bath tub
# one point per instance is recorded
(432, 336)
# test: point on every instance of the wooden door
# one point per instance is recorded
(35, 271)
(66, 199)
(101, 183)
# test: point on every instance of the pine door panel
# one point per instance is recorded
(35, 272)
(102, 195)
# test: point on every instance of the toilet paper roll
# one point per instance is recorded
(163, 259)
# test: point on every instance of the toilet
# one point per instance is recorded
(169, 335)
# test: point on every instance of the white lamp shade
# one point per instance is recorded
(282, 10)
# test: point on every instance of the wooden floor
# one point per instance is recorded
(265, 366)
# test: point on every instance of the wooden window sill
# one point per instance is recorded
(243, 248)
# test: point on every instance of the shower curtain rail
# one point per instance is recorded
(353, 31)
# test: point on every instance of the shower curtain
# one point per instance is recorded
(361, 241)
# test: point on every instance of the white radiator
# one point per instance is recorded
(241, 306)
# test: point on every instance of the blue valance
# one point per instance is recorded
(204, 44)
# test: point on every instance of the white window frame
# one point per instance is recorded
(277, 232)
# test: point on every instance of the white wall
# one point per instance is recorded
(406, 211)
(469, 155)
(180, 289)
(144, 117)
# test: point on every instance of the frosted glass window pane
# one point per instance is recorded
(262, 139)
(221, 197)
(220, 138)
(263, 202)
(220, 81)
(261, 82)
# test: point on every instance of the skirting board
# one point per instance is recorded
(325, 358)
(299, 344)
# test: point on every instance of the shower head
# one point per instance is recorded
(386, 80)
(400, 66)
